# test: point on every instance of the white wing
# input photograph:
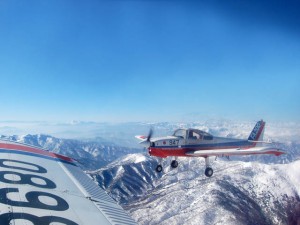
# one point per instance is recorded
(235, 151)
(45, 188)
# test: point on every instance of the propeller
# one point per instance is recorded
(146, 142)
(149, 135)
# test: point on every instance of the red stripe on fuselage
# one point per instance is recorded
(24, 148)
(163, 152)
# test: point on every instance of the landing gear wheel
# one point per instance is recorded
(174, 164)
(209, 172)
(158, 168)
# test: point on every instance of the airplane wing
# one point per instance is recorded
(42, 188)
(235, 151)
(141, 137)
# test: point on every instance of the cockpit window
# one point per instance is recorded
(180, 133)
(193, 134)
(199, 135)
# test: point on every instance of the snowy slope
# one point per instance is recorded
(238, 192)
(128, 178)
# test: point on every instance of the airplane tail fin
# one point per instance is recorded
(257, 133)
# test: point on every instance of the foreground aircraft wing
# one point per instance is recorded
(235, 151)
(42, 188)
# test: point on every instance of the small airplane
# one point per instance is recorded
(198, 143)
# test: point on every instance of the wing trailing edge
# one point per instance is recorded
(236, 151)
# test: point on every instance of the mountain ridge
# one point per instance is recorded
(238, 193)
(91, 154)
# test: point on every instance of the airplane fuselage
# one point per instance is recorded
(176, 146)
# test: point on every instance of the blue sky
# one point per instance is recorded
(137, 60)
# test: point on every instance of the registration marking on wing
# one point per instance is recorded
(43, 189)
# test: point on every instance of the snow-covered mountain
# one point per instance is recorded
(243, 190)
(238, 193)
(91, 154)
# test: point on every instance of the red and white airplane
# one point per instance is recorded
(198, 143)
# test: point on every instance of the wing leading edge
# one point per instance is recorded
(45, 188)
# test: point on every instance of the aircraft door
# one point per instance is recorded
(183, 140)
(192, 138)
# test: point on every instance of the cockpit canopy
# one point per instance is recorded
(192, 134)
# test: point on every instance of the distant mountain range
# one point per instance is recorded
(118, 140)
(90, 154)
(243, 190)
